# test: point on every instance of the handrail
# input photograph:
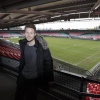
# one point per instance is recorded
(90, 74)
(78, 92)
(90, 95)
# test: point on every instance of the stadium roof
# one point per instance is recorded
(19, 12)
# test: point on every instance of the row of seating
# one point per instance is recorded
(8, 50)
(89, 36)
(55, 34)
(83, 35)
(93, 88)
(11, 53)
(75, 33)
(9, 34)
(8, 44)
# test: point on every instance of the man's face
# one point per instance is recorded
(30, 34)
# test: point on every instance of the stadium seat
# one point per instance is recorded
(93, 88)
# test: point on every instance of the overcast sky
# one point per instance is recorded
(78, 24)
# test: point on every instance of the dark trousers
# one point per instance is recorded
(26, 89)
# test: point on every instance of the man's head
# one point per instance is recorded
(30, 32)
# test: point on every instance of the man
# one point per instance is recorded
(36, 65)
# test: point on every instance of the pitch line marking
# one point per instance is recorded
(68, 49)
(87, 58)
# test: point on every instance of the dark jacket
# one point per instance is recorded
(44, 62)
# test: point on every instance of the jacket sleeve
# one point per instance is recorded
(21, 60)
(48, 65)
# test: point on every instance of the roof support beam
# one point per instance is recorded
(33, 12)
(3, 20)
(24, 4)
(96, 6)
(3, 16)
(30, 12)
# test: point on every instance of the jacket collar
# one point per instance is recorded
(42, 41)
(24, 41)
(36, 43)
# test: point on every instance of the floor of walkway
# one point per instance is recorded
(8, 88)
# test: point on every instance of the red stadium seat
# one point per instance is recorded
(93, 88)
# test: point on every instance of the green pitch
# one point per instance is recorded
(82, 53)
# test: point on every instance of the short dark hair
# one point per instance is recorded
(30, 26)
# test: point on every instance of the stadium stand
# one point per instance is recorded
(66, 85)
(9, 50)
(75, 33)
(55, 34)
(90, 35)
(80, 34)
(9, 34)
(93, 88)
(4, 35)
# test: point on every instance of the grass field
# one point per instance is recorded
(82, 53)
